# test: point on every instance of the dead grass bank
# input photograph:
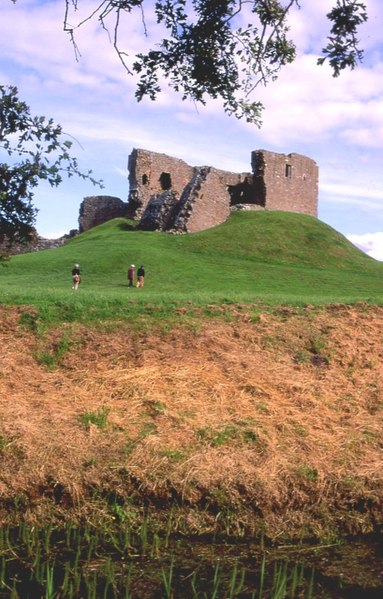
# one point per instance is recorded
(250, 422)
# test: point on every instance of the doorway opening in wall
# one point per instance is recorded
(288, 171)
(145, 179)
(165, 181)
(242, 193)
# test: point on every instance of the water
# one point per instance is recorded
(91, 564)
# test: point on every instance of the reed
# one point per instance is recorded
(87, 563)
(167, 579)
(236, 582)
(49, 582)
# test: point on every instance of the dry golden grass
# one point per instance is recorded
(275, 422)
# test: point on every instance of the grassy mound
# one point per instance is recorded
(273, 257)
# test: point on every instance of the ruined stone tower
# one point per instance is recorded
(285, 182)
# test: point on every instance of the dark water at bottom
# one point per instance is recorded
(186, 569)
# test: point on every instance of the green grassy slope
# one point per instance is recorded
(271, 257)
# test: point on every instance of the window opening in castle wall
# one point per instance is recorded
(165, 181)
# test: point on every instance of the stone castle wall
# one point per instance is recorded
(285, 182)
(150, 174)
(167, 194)
(206, 204)
(95, 210)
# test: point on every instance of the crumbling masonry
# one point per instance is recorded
(167, 194)
(95, 210)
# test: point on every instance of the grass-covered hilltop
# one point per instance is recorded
(272, 257)
(239, 392)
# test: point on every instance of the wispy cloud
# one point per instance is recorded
(370, 243)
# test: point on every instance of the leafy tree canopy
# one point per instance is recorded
(32, 149)
(220, 48)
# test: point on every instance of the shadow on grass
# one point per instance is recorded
(129, 225)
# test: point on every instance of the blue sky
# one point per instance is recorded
(337, 122)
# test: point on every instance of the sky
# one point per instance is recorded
(338, 122)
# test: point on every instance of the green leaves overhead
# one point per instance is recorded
(342, 49)
(220, 48)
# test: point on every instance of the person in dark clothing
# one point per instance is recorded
(76, 276)
(131, 275)
(140, 276)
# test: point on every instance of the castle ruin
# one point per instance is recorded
(95, 210)
(166, 194)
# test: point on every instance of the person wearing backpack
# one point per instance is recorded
(140, 276)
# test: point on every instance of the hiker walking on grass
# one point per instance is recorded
(76, 276)
(140, 276)
(131, 275)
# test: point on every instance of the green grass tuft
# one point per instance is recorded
(98, 418)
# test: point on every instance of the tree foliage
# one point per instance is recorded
(220, 48)
(34, 148)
